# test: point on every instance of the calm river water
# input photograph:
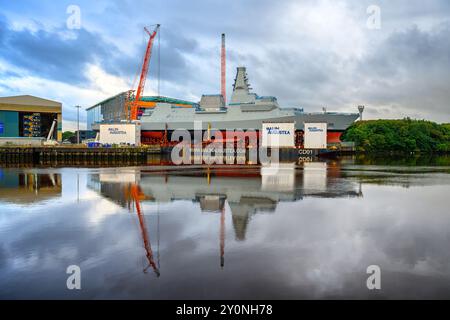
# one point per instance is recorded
(297, 231)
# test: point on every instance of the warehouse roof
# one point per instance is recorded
(106, 100)
(29, 101)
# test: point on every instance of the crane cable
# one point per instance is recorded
(159, 60)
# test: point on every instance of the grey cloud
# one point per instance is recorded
(50, 55)
(405, 74)
(411, 50)
(173, 48)
(409, 69)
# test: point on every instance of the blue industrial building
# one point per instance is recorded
(29, 117)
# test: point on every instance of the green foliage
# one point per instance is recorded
(67, 135)
(399, 135)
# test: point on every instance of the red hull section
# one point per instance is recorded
(334, 136)
(152, 137)
(152, 134)
(158, 137)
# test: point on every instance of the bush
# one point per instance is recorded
(67, 135)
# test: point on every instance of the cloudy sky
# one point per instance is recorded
(391, 56)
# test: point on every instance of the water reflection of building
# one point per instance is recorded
(111, 185)
(248, 190)
(18, 187)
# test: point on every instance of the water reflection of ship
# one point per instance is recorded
(248, 190)
(28, 187)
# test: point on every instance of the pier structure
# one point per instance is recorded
(69, 154)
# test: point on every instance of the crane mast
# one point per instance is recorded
(223, 70)
(144, 71)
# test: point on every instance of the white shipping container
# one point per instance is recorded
(278, 135)
(121, 134)
(315, 136)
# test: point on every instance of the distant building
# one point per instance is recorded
(29, 116)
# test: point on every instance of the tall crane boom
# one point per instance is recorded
(223, 70)
(144, 71)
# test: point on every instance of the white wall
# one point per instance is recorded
(315, 136)
(277, 135)
(120, 134)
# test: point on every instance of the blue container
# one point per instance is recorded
(93, 144)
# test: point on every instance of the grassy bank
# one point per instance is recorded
(404, 135)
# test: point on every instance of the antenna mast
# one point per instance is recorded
(222, 71)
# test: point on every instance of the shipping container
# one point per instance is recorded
(120, 134)
(315, 135)
(278, 134)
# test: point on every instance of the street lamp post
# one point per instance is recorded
(78, 124)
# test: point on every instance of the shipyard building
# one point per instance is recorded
(27, 118)
(112, 110)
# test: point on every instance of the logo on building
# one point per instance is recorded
(314, 129)
(276, 130)
(116, 131)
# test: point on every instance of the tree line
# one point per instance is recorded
(405, 135)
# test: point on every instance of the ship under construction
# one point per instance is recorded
(160, 116)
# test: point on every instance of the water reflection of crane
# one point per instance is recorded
(134, 193)
(137, 195)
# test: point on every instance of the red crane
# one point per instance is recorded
(144, 71)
